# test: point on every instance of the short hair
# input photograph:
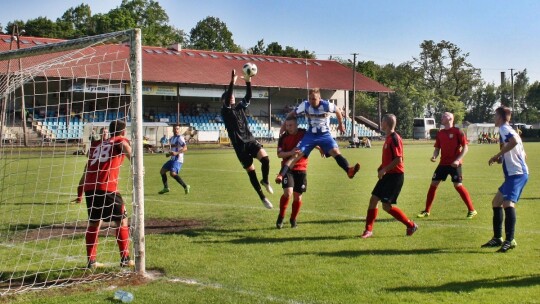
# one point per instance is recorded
(504, 112)
(315, 91)
(290, 118)
(117, 127)
(390, 120)
(176, 125)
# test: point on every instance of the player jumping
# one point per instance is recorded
(245, 145)
(318, 112)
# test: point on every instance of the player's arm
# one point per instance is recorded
(436, 152)
(512, 143)
(396, 161)
(126, 149)
(464, 150)
(80, 187)
(247, 98)
(339, 117)
(230, 91)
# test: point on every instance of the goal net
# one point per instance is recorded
(55, 97)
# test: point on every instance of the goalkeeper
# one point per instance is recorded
(245, 145)
(103, 201)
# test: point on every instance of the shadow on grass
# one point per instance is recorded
(379, 252)
(469, 286)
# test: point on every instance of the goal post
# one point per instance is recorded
(49, 92)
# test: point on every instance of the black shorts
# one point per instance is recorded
(388, 187)
(106, 206)
(246, 152)
(442, 172)
(296, 180)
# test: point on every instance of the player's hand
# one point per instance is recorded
(455, 164)
(247, 78)
(233, 76)
(381, 173)
(167, 154)
(433, 159)
(341, 128)
(494, 159)
(78, 200)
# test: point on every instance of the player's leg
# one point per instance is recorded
(330, 146)
(119, 215)
(306, 145)
(262, 156)
(163, 172)
(284, 200)
(457, 179)
(392, 185)
(439, 175)
(175, 170)
(498, 215)
(372, 213)
(299, 187)
(95, 201)
(514, 187)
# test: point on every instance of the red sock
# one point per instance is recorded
(122, 239)
(295, 208)
(430, 197)
(465, 197)
(283, 203)
(91, 242)
(400, 216)
(370, 219)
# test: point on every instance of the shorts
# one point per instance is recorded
(296, 180)
(105, 206)
(513, 186)
(311, 140)
(246, 152)
(172, 166)
(388, 187)
(442, 172)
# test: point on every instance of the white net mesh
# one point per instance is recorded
(46, 126)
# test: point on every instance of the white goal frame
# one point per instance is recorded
(11, 80)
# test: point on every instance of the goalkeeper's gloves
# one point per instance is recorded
(247, 78)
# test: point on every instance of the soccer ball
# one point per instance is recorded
(249, 69)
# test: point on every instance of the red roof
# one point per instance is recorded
(162, 65)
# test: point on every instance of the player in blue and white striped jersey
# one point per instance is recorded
(177, 147)
(516, 174)
(318, 112)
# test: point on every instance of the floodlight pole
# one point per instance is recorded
(353, 96)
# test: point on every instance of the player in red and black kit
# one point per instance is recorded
(391, 177)
(94, 142)
(103, 201)
(452, 143)
(245, 145)
(295, 181)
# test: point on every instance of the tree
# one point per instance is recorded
(446, 73)
(258, 49)
(533, 103)
(41, 27)
(480, 106)
(212, 34)
(76, 22)
(400, 105)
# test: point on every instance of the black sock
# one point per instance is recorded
(497, 222)
(284, 170)
(265, 168)
(164, 180)
(180, 181)
(342, 162)
(255, 183)
(509, 223)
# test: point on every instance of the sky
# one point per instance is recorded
(498, 35)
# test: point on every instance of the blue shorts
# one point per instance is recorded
(513, 186)
(172, 166)
(311, 140)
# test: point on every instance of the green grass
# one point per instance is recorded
(236, 255)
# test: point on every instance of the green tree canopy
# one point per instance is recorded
(212, 34)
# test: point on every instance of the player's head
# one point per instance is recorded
(291, 125)
(176, 130)
(447, 119)
(225, 95)
(104, 133)
(117, 128)
(388, 122)
(314, 97)
(502, 115)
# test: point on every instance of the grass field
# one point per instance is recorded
(232, 252)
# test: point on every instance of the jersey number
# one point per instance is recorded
(102, 153)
